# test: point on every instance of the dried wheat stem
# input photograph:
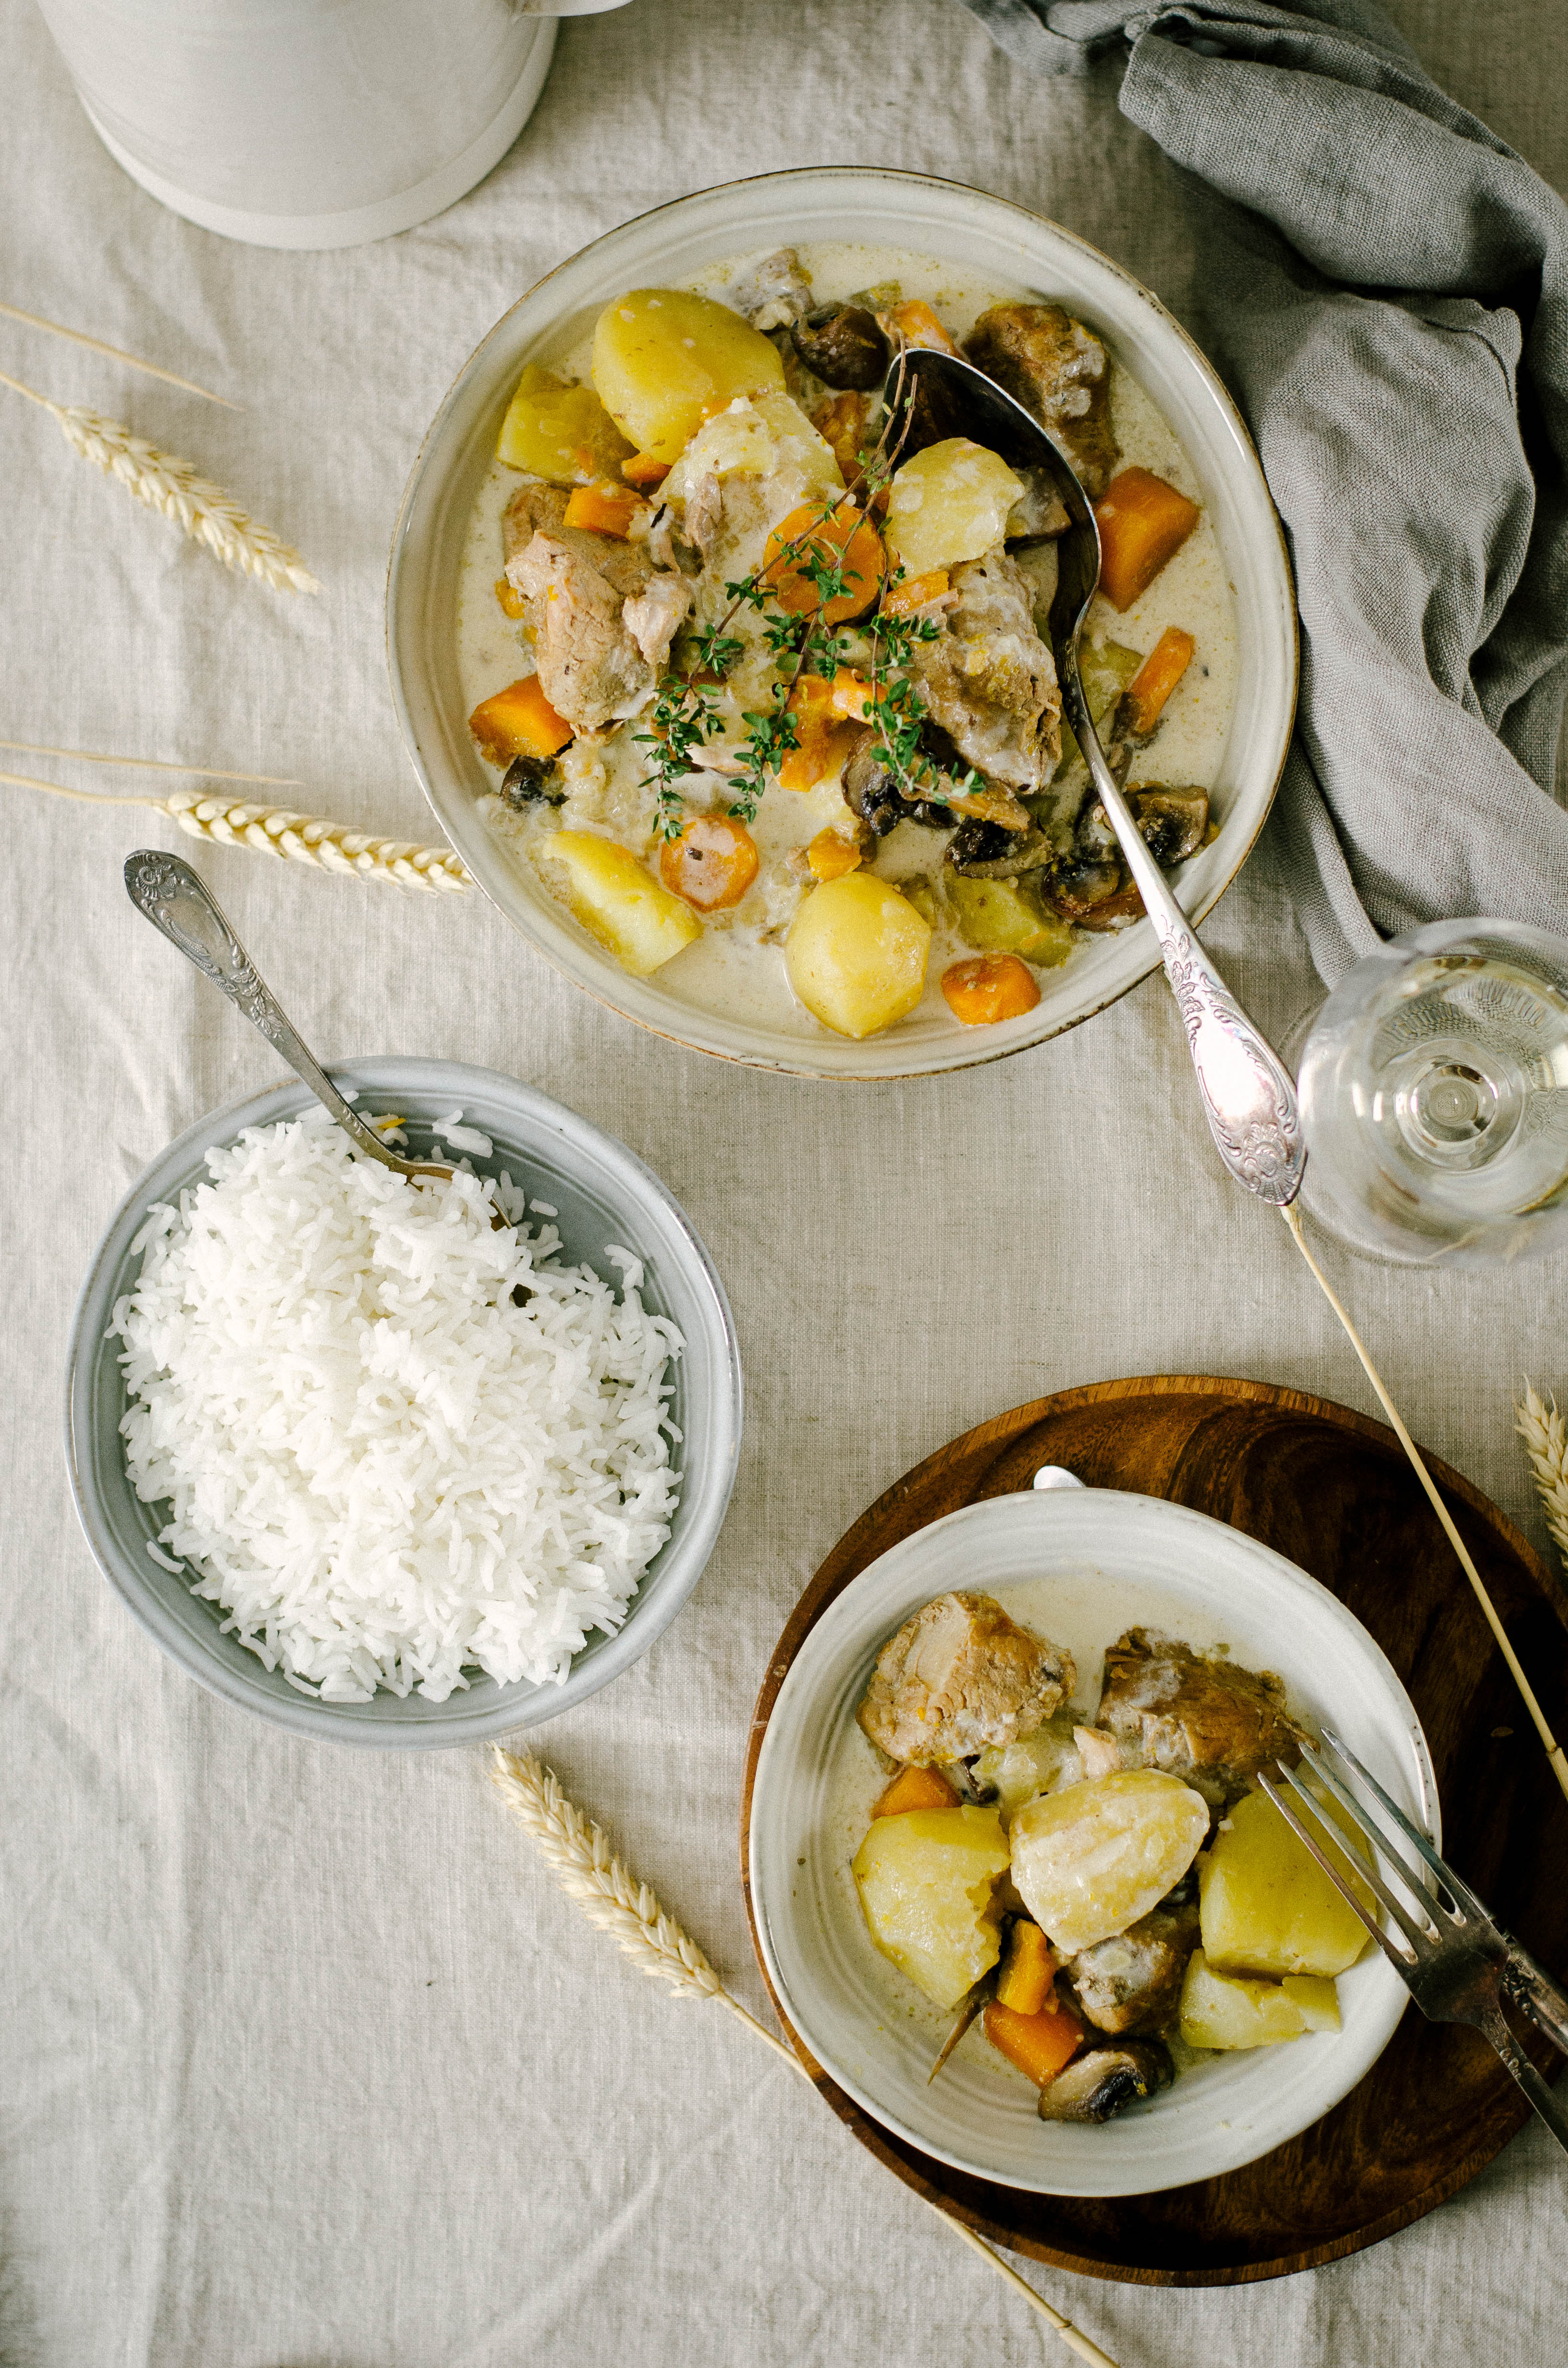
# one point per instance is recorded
(1546, 1437)
(297, 837)
(173, 488)
(150, 765)
(1292, 1217)
(579, 1854)
(132, 361)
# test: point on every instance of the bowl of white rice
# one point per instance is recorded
(373, 1466)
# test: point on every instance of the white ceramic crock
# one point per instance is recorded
(981, 235)
(308, 123)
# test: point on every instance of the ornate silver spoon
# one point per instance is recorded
(1249, 1096)
(167, 893)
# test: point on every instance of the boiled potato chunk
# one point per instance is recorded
(1266, 1907)
(927, 1882)
(947, 505)
(665, 360)
(619, 901)
(1225, 2010)
(561, 433)
(855, 954)
(756, 435)
(1005, 916)
(1035, 1763)
(1092, 1859)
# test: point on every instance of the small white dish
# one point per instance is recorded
(1097, 1561)
(976, 234)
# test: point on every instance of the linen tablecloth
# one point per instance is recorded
(305, 2062)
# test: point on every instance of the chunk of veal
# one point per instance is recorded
(1205, 1720)
(1091, 1859)
(928, 1882)
(1057, 369)
(601, 615)
(1268, 1906)
(1132, 1981)
(1227, 2011)
(990, 681)
(959, 1676)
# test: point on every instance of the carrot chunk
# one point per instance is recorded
(1025, 1983)
(1039, 2045)
(518, 722)
(1158, 676)
(510, 598)
(921, 326)
(1143, 522)
(914, 593)
(830, 855)
(643, 471)
(604, 509)
(991, 987)
(823, 738)
(916, 1787)
(711, 864)
(839, 539)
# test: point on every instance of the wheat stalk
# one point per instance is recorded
(580, 1856)
(1546, 1441)
(297, 837)
(173, 488)
(147, 765)
(132, 361)
(1554, 1752)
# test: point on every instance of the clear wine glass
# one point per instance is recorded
(1434, 1093)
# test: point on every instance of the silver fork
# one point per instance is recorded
(1457, 1964)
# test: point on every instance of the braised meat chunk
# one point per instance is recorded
(990, 682)
(1200, 1718)
(602, 616)
(1056, 368)
(1132, 1982)
(958, 1676)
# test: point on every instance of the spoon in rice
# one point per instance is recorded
(1249, 1099)
(166, 892)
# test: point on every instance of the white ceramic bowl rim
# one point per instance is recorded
(1066, 1534)
(919, 211)
(708, 1402)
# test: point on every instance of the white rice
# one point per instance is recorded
(385, 1471)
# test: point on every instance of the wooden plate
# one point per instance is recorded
(1333, 1491)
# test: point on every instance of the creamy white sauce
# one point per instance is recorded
(736, 967)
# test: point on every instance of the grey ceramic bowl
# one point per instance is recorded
(602, 1194)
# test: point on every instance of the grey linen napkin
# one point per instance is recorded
(1385, 287)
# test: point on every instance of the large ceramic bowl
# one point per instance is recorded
(1108, 1561)
(604, 1195)
(975, 233)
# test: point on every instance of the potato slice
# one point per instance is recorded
(665, 360)
(1267, 1906)
(618, 901)
(928, 1882)
(855, 954)
(1092, 1859)
(1234, 2010)
(948, 504)
(1005, 917)
(561, 433)
(756, 435)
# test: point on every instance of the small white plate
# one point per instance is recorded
(1099, 1560)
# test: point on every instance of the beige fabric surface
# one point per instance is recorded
(305, 2064)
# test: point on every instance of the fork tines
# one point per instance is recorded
(1422, 1932)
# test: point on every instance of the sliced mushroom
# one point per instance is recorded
(1083, 885)
(984, 850)
(1107, 2080)
(843, 344)
(871, 792)
(532, 780)
(1173, 820)
(1117, 911)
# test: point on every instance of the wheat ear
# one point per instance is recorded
(172, 487)
(1554, 1751)
(579, 1854)
(1546, 1439)
(132, 361)
(297, 837)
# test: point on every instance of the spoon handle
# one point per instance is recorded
(167, 893)
(1249, 1098)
